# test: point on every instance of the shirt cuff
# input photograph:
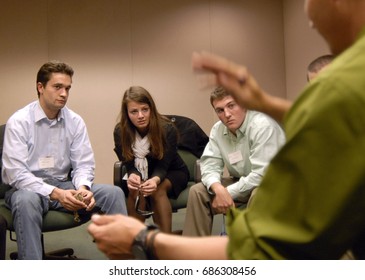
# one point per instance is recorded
(47, 190)
(83, 182)
(239, 193)
(210, 183)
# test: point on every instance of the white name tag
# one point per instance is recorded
(235, 157)
(46, 162)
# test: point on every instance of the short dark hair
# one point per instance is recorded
(218, 93)
(44, 73)
(317, 64)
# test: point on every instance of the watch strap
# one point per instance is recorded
(141, 239)
(150, 253)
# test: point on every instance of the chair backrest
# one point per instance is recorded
(190, 161)
(191, 137)
(191, 143)
(3, 188)
(2, 132)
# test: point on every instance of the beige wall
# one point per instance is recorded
(113, 44)
(302, 45)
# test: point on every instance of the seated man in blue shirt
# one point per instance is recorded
(43, 142)
(243, 142)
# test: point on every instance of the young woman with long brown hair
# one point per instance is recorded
(146, 142)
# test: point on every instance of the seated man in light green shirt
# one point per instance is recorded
(243, 142)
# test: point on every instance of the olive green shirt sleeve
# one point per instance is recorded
(310, 203)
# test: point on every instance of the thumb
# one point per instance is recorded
(102, 219)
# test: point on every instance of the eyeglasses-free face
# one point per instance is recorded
(230, 113)
(139, 114)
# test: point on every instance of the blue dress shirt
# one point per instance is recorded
(37, 148)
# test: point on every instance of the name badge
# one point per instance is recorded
(46, 162)
(235, 157)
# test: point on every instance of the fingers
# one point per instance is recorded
(221, 210)
(102, 219)
(133, 187)
(148, 187)
(86, 195)
(114, 234)
(233, 77)
(221, 204)
(87, 199)
(217, 64)
(133, 182)
(91, 204)
(69, 201)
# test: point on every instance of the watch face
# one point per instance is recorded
(138, 252)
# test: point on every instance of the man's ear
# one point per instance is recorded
(40, 87)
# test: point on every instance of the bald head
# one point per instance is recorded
(338, 21)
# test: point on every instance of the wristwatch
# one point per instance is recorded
(140, 248)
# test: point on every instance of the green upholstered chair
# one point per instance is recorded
(52, 221)
(2, 237)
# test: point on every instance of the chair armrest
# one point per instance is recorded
(197, 171)
(119, 172)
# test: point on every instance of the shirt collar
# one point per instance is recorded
(242, 129)
(40, 115)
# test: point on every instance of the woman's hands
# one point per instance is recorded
(147, 188)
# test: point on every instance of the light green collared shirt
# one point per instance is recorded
(245, 155)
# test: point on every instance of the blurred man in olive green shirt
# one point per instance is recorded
(310, 203)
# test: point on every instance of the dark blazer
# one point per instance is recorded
(170, 161)
(190, 136)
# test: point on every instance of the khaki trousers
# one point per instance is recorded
(199, 212)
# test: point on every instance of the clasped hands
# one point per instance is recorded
(69, 201)
(222, 200)
(146, 188)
